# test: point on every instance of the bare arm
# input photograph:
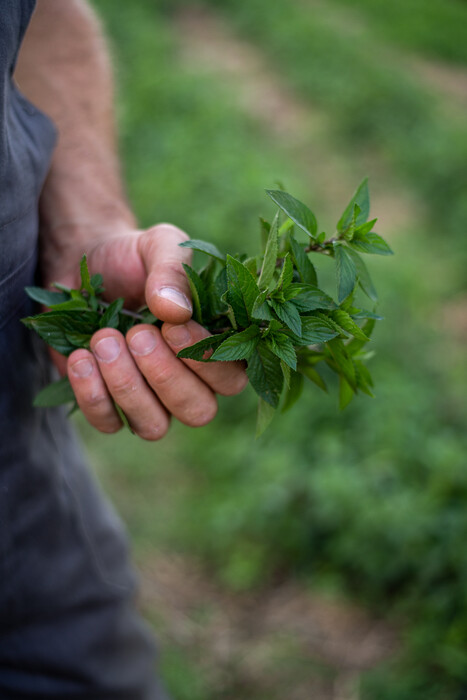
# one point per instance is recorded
(64, 68)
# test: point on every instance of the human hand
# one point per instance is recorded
(141, 372)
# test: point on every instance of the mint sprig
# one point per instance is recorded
(267, 310)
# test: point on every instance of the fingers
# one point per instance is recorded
(181, 391)
(110, 374)
(167, 290)
(226, 378)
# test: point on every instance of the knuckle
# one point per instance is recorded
(162, 374)
(124, 386)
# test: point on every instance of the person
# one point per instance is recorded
(68, 626)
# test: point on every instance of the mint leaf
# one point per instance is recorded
(371, 243)
(55, 394)
(315, 330)
(198, 293)
(293, 392)
(342, 362)
(344, 320)
(204, 247)
(242, 290)
(198, 350)
(265, 374)
(288, 314)
(239, 346)
(309, 298)
(282, 346)
(270, 256)
(53, 326)
(346, 393)
(346, 272)
(110, 318)
(314, 376)
(286, 276)
(266, 413)
(362, 199)
(364, 278)
(79, 340)
(304, 266)
(44, 296)
(295, 210)
(85, 277)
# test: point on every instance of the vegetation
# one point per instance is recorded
(370, 502)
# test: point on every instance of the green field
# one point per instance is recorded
(367, 506)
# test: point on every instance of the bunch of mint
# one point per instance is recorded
(267, 310)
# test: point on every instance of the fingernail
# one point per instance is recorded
(107, 349)
(178, 335)
(82, 368)
(143, 342)
(176, 297)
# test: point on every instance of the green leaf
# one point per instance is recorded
(346, 393)
(342, 362)
(364, 380)
(346, 272)
(286, 276)
(53, 326)
(295, 210)
(364, 278)
(261, 310)
(371, 243)
(310, 298)
(314, 376)
(55, 394)
(110, 318)
(344, 320)
(242, 291)
(71, 304)
(198, 350)
(282, 346)
(79, 340)
(44, 296)
(362, 199)
(204, 247)
(365, 228)
(96, 282)
(85, 277)
(270, 256)
(265, 374)
(264, 417)
(265, 227)
(293, 392)
(364, 314)
(288, 314)
(315, 330)
(198, 293)
(302, 263)
(239, 346)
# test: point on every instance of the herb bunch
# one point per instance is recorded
(267, 310)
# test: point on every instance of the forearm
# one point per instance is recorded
(64, 68)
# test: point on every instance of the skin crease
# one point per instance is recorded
(64, 68)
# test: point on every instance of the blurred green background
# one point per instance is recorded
(328, 558)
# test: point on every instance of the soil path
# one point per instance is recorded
(284, 642)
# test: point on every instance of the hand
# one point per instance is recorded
(141, 372)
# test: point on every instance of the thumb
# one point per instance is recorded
(167, 290)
